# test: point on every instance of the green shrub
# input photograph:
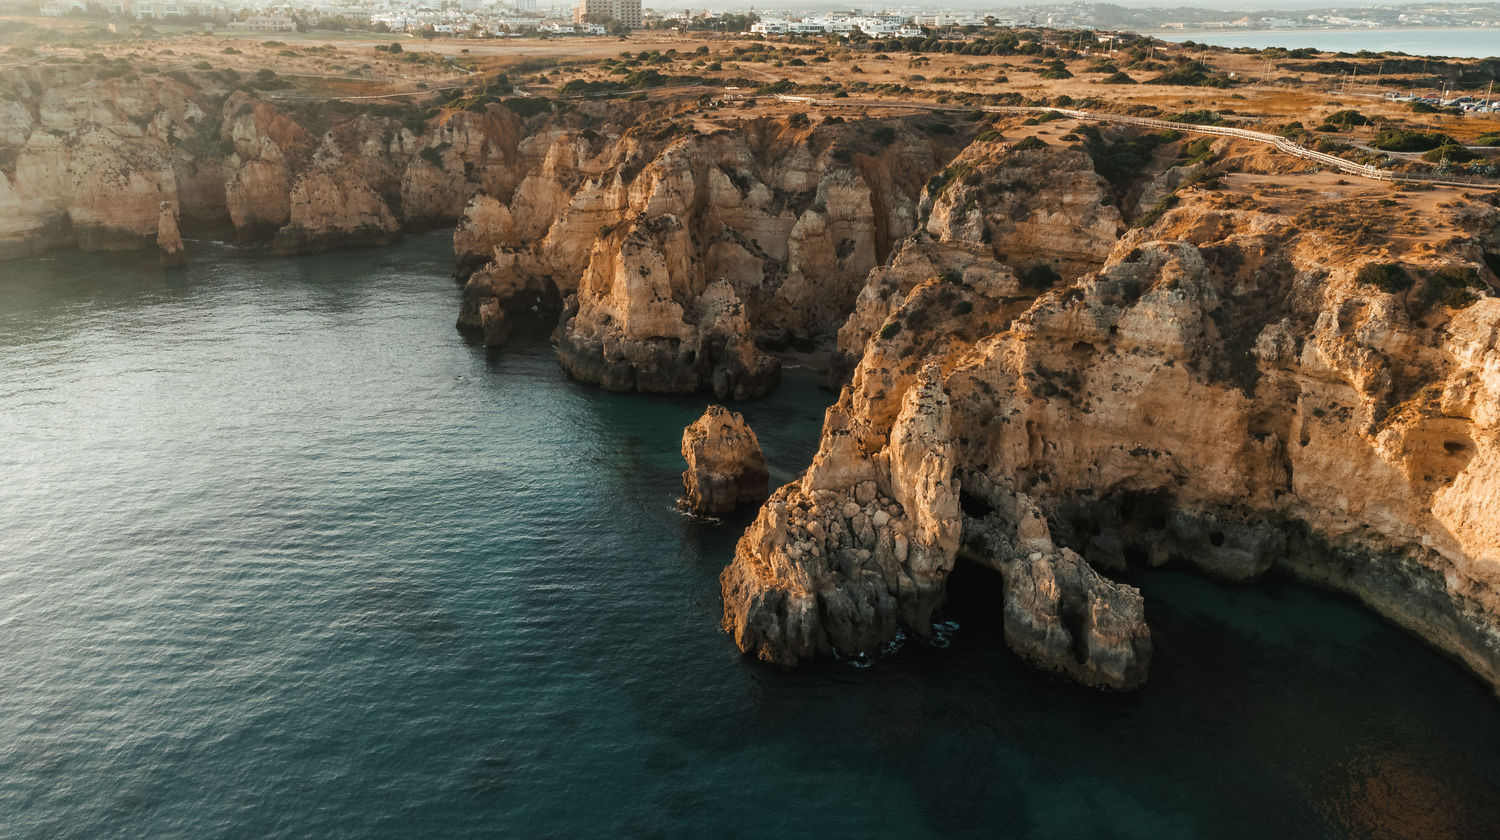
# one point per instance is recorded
(1387, 277)
(528, 106)
(1455, 286)
(775, 87)
(1401, 140)
(890, 330)
(1152, 216)
(1199, 117)
(265, 79)
(1331, 147)
(1199, 150)
(1452, 154)
(1120, 160)
(1193, 73)
(1347, 119)
(1039, 277)
(1120, 78)
(1028, 144)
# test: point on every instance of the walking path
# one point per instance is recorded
(1281, 143)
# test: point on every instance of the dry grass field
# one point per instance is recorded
(729, 77)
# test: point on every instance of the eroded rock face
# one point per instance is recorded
(725, 465)
(89, 163)
(1031, 207)
(995, 210)
(626, 330)
(1060, 614)
(168, 238)
(860, 545)
(704, 246)
(1220, 393)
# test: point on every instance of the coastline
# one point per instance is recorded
(1416, 41)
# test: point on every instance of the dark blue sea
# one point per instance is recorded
(281, 556)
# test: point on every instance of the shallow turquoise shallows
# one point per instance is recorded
(282, 557)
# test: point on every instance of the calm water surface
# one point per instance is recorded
(1461, 43)
(282, 557)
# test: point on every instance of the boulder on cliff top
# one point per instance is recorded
(726, 467)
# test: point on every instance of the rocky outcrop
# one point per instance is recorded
(328, 211)
(680, 248)
(725, 466)
(1060, 614)
(462, 153)
(861, 544)
(168, 238)
(1031, 207)
(1338, 432)
(993, 210)
(706, 245)
(627, 328)
(88, 161)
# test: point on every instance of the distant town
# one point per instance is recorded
(605, 18)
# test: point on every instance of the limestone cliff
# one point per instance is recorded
(994, 209)
(1265, 376)
(704, 244)
(89, 162)
(1229, 390)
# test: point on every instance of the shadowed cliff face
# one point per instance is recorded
(681, 248)
(1223, 392)
(90, 163)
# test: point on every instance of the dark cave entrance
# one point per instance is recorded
(975, 598)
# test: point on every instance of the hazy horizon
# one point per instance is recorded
(1225, 5)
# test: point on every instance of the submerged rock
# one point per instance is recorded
(726, 467)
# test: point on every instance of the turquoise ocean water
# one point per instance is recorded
(282, 557)
(1459, 43)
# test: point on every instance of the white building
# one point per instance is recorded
(875, 26)
(269, 24)
(58, 8)
(627, 12)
